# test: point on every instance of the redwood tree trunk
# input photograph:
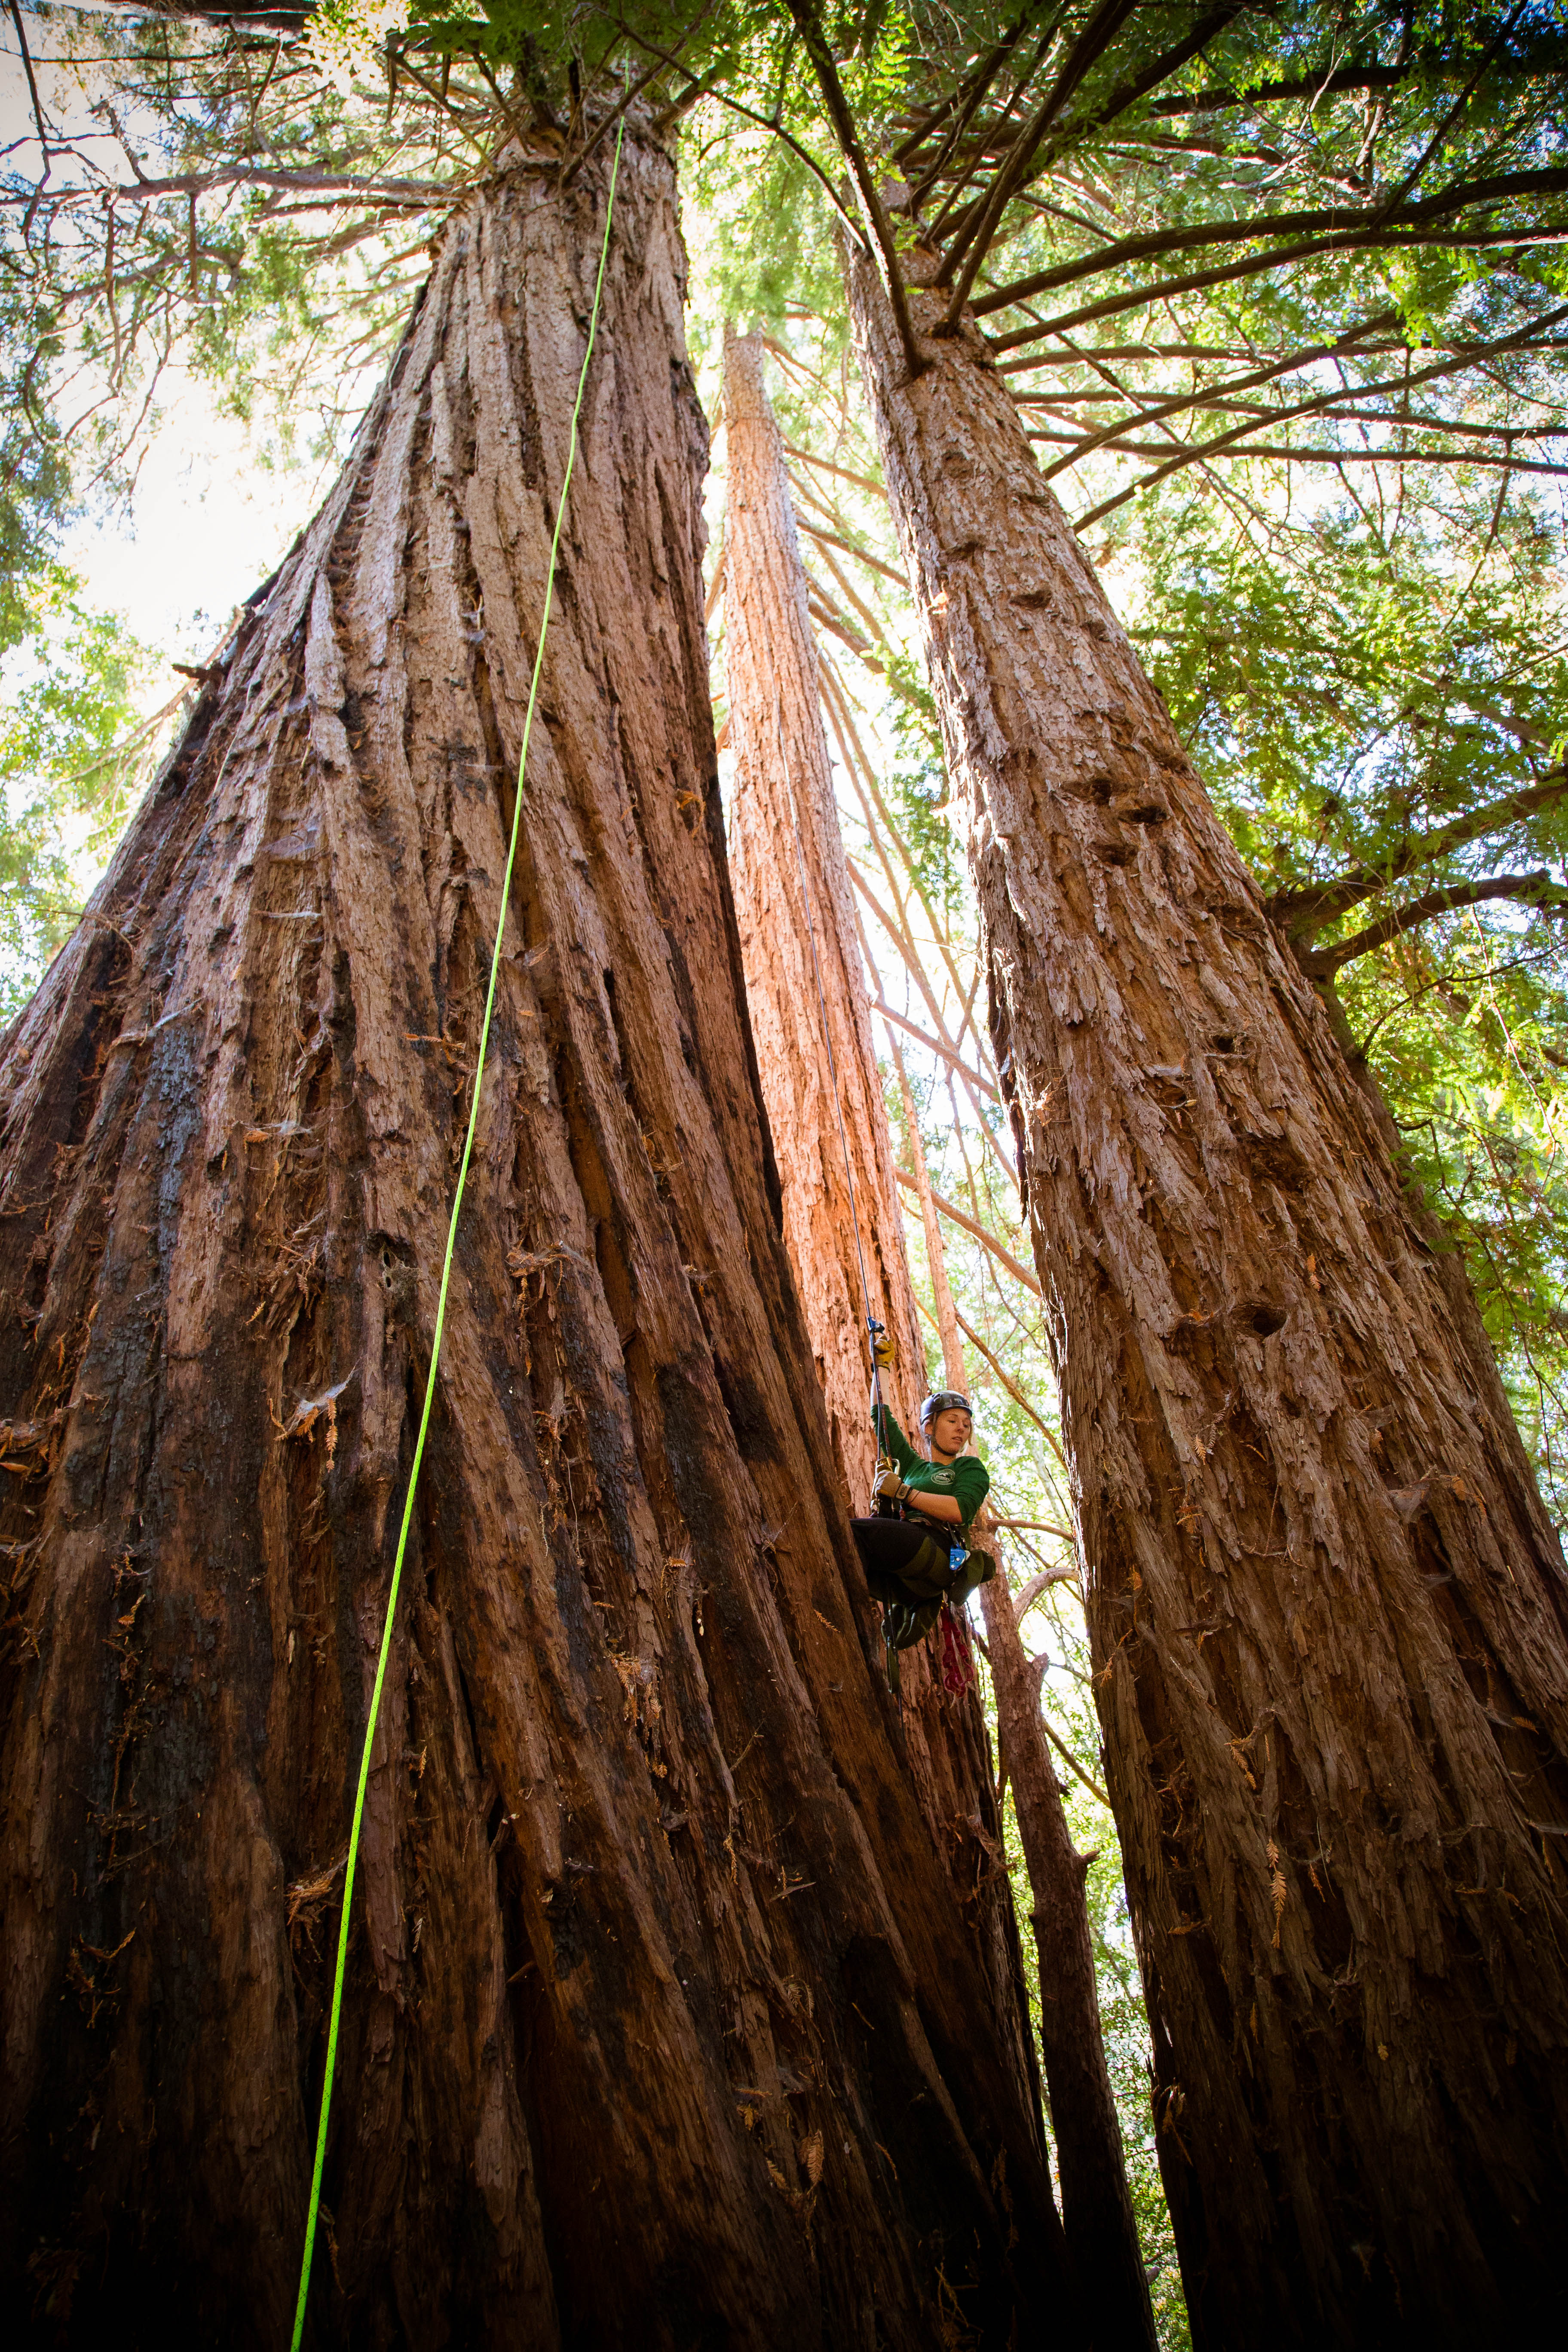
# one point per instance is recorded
(1328, 1610)
(1097, 2203)
(662, 2021)
(792, 891)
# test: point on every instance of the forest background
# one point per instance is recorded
(1322, 484)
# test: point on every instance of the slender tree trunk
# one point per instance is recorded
(1327, 1608)
(1096, 2204)
(662, 2022)
(803, 969)
(799, 945)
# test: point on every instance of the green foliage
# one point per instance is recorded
(1381, 693)
(919, 793)
(34, 479)
(1353, 680)
(73, 755)
(1468, 1025)
(768, 226)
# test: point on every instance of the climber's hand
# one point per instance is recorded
(884, 1355)
(889, 1486)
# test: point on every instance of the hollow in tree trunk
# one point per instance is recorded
(662, 2022)
(1326, 1609)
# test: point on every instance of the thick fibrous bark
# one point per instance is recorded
(1327, 1607)
(652, 1959)
(783, 816)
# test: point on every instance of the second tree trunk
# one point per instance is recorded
(1328, 1614)
(806, 995)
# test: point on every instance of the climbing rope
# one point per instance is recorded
(385, 1653)
(872, 1326)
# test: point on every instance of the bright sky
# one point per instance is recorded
(209, 524)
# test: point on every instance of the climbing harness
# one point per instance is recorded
(314, 2208)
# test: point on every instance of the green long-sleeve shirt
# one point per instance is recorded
(967, 1480)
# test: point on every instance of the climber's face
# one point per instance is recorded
(951, 1430)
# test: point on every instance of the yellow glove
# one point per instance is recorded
(890, 1483)
(884, 1355)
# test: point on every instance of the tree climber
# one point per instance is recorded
(917, 1552)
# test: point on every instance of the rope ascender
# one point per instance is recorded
(314, 2209)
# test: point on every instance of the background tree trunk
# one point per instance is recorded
(1097, 2203)
(1328, 1610)
(662, 2021)
(783, 814)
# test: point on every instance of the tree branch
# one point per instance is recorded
(976, 228)
(827, 72)
(1169, 62)
(43, 140)
(1164, 288)
(861, 554)
(764, 122)
(987, 1241)
(1537, 890)
(608, 121)
(1461, 197)
(1063, 1750)
(827, 466)
(1405, 382)
(862, 773)
(1183, 402)
(1305, 911)
(934, 1046)
(401, 195)
(1011, 1385)
(983, 76)
(1280, 93)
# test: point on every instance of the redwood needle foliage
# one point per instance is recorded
(1377, 694)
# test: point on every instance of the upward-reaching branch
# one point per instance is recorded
(804, 16)
(1308, 908)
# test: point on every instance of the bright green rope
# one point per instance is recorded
(441, 1301)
